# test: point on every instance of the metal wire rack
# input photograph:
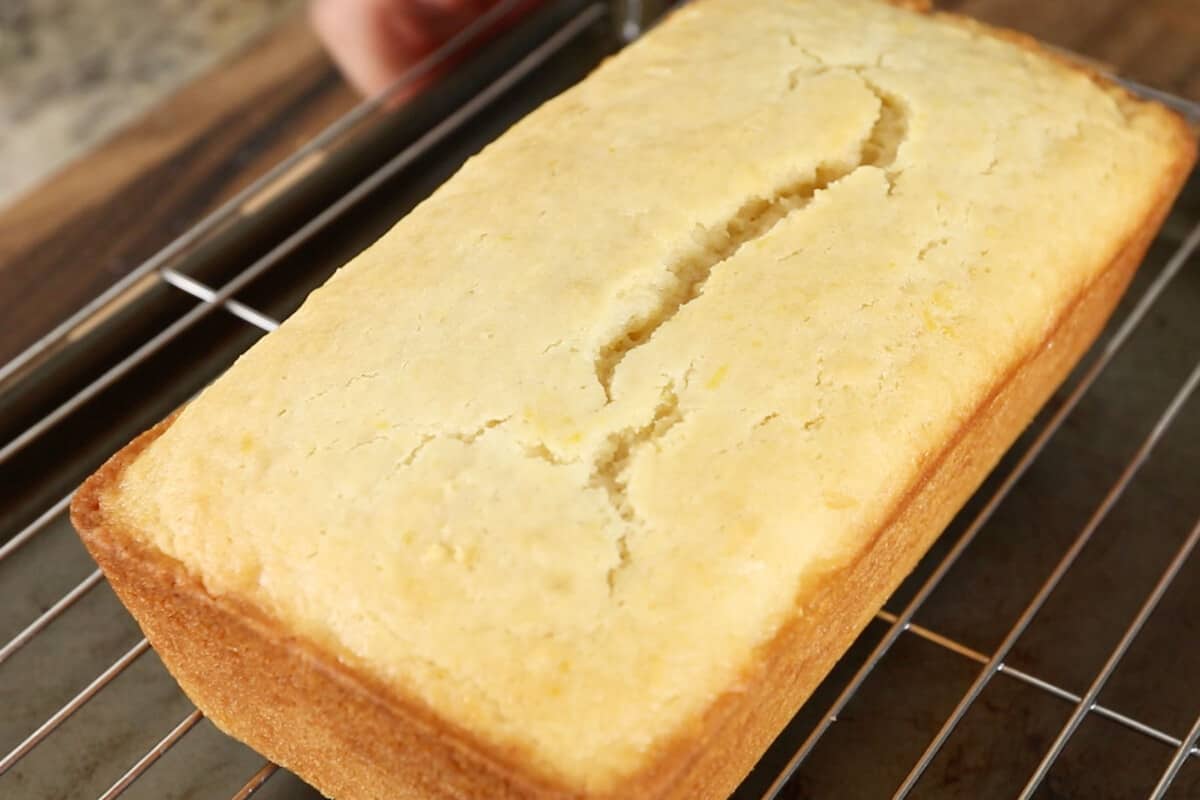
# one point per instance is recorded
(1045, 647)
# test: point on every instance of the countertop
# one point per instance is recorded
(74, 71)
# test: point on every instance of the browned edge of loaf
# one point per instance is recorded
(709, 760)
(356, 738)
(843, 602)
(348, 735)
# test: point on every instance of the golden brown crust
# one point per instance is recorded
(801, 654)
(803, 651)
(347, 735)
(355, 738)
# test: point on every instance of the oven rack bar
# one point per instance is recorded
(1186, 748)
(1088, 702)
(154, 754)
(257, 781)
(1043, 594)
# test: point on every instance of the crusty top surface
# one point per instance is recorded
(560, 450)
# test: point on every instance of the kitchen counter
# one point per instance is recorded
(74, 71)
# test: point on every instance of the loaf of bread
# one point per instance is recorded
(577, 482)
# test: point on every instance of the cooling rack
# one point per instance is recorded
(1047, 646)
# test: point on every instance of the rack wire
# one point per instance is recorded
(778, 777)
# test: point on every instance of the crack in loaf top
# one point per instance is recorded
(566, 445)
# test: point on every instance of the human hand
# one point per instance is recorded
(374, 42)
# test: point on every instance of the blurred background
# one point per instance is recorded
(74, 71)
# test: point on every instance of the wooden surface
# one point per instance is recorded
(74, 72)
(104, 214)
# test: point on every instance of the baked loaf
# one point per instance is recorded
(578, 481)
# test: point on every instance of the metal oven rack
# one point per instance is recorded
(1048, 645)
